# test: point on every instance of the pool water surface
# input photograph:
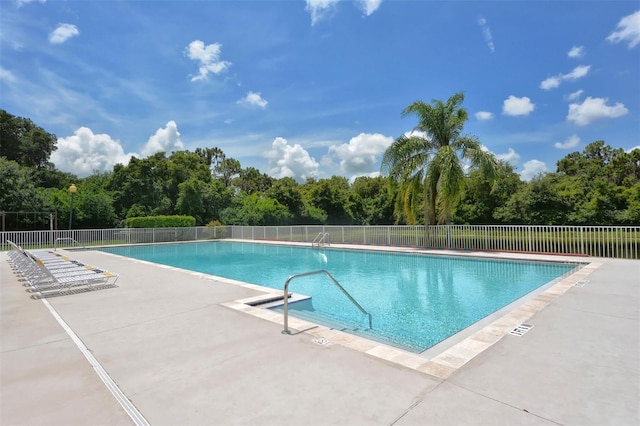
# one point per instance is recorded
(415, 300)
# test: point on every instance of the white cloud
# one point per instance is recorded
(510, 157)
(209, 58)
(553, 82)
(369, 175)
(85, 152)
(22, 2)
(571, 142)
(165, 140)
(550, 83)
(320, 9)
(486, 32)
(416, 133)
(633, 148)
(532, 169)
(576, 52)
(63, 33)
(369, 6)
(592, 109)
(360, 156)
(6, 75)
(578, 72)
(254, 99)
(628, 29)
(290, 161)
(517, 106)
(483, 115)
(575, 95)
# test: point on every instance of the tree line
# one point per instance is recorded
(436, 175)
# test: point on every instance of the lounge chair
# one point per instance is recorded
(48, 274)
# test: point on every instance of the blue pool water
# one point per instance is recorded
(415, 300)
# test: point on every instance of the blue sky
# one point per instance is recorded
(315, 88)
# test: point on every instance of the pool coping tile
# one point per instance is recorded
(451, 359)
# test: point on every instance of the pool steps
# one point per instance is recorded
(278, 300)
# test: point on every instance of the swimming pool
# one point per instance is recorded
(415, 300)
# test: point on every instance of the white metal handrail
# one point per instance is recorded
(305, 274)
(323, 238)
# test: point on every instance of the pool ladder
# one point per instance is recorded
(306, 274)
(323, 238)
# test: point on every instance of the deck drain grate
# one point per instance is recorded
(521, 330)
(580, 283)
(321, 341)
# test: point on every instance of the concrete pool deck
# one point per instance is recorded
(184, 351)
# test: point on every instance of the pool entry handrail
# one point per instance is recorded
(323, 238)
(306, 274)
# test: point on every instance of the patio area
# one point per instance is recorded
(183, 351)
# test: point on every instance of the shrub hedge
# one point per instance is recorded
(161, 222)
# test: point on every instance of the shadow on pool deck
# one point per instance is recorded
(182, 358)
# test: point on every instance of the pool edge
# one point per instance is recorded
(450, 360)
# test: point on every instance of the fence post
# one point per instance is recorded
(50, 228)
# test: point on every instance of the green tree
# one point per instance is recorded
(481, 196)
(18, 193)
(310, 214)
(631, 214)
(332, 196)
(50, 177)
(140, 188)
(624, 168)
(372, 201)
(252, 181)
(180, 167)
(596, 184)
(202, 200)
(212, 157)
(537, 203)
(92, 207)
(24, 142)
(287, 192)
(228, 169)
(256, 210)
(433, 158)
(94, 203)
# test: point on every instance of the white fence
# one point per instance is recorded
(601, 241)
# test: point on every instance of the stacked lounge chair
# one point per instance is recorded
(50, 274)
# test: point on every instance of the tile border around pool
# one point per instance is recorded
(451, 359)
(444, 363)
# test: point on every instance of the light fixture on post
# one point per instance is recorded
(72, 190)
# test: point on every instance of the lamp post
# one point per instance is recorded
(72, 190)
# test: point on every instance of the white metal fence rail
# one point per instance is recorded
(601, 241)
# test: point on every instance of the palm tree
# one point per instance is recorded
(432, 159)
